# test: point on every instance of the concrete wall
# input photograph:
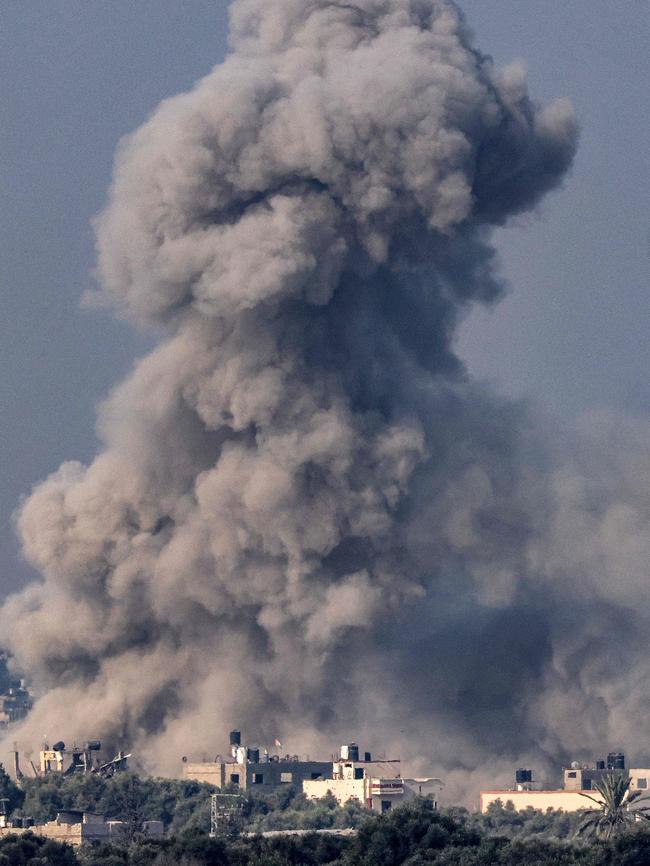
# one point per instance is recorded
(374, 793)
(342, 789)
(568, 801)
(73, 834)
(258, 776)
(210, 772)
(582, 778)
(640, 779)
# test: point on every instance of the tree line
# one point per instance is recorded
(415, 834)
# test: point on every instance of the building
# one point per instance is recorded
(577, 780)
(249, 768)
(76, 827)
(567, 801)
(584, 777)
(86, 759)
(351, 779)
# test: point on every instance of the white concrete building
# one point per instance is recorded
(352, 780)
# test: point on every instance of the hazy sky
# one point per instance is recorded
(77, 75)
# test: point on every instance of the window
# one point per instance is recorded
(358, 772)
(571, 775)
(234, 778)
(258, 779)
(642, 783)
(286, 777)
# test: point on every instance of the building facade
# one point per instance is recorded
(78, 828)
(578, 780)
(261, 775)
(568, 801)
(248, 767)
(353, 780)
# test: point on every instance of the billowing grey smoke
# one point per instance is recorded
(305, 519)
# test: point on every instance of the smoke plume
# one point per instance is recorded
(305, 519)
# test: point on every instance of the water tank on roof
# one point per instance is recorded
(235, 738)
(600, 765)
(253, 755)
(93, 745)
(353, 752)
(367, 756)
(523, 775)
(59, 746)
(616, 761)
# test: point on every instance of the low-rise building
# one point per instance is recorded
(578, 780)
(352, 779)
(567, 801)
(261, 775)
(76, 827)
(248, 767)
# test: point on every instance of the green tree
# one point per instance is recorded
(613, 814)
(30, 850)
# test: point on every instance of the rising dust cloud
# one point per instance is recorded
(306, 519)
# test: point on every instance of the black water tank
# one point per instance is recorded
(235, 738)
(353, 752)
(600, 765)
(367, 756)
(93, 746)
(253, 755)
(59, 746)
(615, 761)
(522, 776)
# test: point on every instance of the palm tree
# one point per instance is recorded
(614, 813)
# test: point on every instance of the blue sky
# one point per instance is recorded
(77, 75)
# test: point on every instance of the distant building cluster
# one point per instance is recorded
(77, 827)
(346, 777)
(577, 779)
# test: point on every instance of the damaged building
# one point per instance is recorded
(366, 782)
(249, 767)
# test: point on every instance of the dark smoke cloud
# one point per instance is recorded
(306, 519)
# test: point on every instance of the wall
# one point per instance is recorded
(209, 772)
(568, 801)
(342, 789)
(640, 773)
(273, 773)
(73, 834)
